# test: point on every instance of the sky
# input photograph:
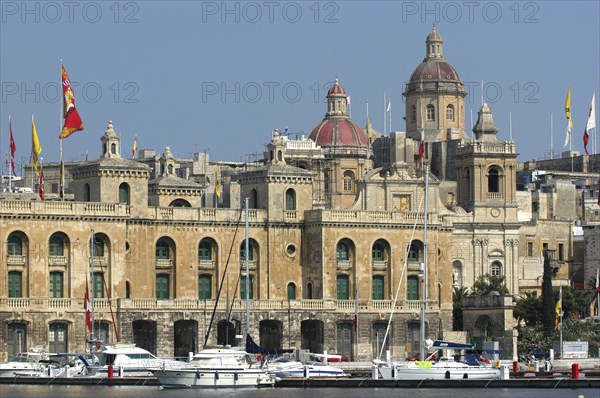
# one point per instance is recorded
(218, 77)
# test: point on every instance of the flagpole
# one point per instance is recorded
(60, 118)
(10, 167)
(384, 114)
(551, 136)
(561, 321)
(92, 249)
(510, 124)
(390, 116)
(31, 156)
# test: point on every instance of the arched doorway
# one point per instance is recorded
(312, 335)
(186, 332)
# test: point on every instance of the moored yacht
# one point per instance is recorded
(129, 360)
(216, 367)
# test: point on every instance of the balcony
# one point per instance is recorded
(60, 261)
(206, 264)
(289, 215)
(14, 259)
(163, 263)
(379, 265)
(494, 195)
(100, 261)
(251, 265)
(414, 266)
(344, 264)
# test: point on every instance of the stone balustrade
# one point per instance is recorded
(103, 305)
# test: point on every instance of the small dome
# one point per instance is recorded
(338, 132)
(434, 35)
(336, 89)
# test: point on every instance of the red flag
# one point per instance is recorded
(598, 281)
(586, 138)
(73, 122)
(41, 184)
(13, 147)
(87, 306)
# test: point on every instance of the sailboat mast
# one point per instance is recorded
(424, 267)
(247, 274)
(92, 249)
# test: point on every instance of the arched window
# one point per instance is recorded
(204, 251)
(291, 291)
(290, 199)
(243, 251)
(113, 148)
(55, 246)
(343, 252)
(413, 251)
(309, 291)
(348, 177)
(279, 156)
(450, 113)
(127, 289)
(86, 192)
(430, 113)
(413, 113)
(204, 287)
(124, 193)
(343, 287)
(377, 252)
(162, 250)
(56, 284)
(496, 269)
(15, 284)
(253, 199)
(377, 287)
(271, 155)
(493, 180)
(412, 287)
(170, 169)
(98, 247)
(15, 246)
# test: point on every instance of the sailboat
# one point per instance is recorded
(226, 367)
(448, 364)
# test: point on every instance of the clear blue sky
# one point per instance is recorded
(220, 76)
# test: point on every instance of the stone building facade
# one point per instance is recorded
(335, 224)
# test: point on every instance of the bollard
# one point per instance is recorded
(110, 371)
(306, 372)
(575, 371)
(536, 366)
(515, 366)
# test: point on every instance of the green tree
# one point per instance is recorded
(457, 307)
(548, 298)
(529, 309)
(485, 284)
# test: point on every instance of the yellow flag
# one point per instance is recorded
(217, 183)
(569, 120)
(36, 148)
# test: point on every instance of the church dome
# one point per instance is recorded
(337, 132)
(434, 73)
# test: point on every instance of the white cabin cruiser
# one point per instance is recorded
(129, 360)
(23, 362)
(216, 368)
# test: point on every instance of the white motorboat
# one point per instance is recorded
(215, 368)
(448, 366)
(23, 362)
(313, 369)
(129, 360)
(59, 365)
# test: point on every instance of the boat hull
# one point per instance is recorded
(439, 373)
(213, 378)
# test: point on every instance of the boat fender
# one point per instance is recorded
(235, 376)
(465, 376)
(216, 375)
(447, 375)
(197, 374)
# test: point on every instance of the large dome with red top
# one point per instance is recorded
(336, 131)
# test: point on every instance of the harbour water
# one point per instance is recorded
(56, 391)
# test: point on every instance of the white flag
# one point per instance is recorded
(591, 123)
(389, 106)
